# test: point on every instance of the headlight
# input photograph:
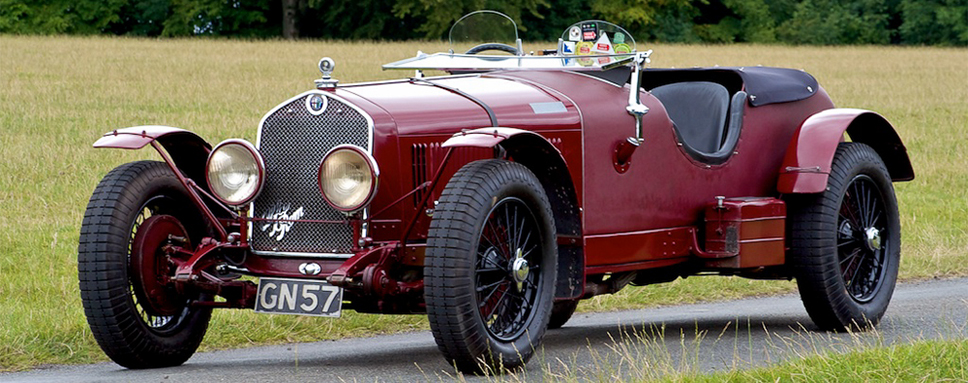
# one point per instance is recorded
(235, 172)
(348, 178)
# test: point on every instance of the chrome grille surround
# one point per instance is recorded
(293, 140)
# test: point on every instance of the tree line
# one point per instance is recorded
(824, 22)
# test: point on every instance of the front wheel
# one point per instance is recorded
(136, 316)
(490, 267)
(845, 243)
(561, 313)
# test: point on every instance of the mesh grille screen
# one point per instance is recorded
(293, 142)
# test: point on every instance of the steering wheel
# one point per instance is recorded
(493, 46)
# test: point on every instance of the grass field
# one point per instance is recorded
(58, 95)
(924, 361)
(646, 355)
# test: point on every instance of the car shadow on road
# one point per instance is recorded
(723, 342)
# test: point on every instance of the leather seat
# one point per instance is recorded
(699, 111)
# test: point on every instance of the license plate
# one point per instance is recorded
(298, 297)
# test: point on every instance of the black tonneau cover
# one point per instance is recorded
(765, 85)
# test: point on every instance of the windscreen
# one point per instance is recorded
(484, 27)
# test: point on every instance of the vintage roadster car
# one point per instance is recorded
(495, 198)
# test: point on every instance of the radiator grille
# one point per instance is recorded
(293, 141)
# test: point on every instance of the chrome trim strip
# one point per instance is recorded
(490, 113)
(302, 255)
(595, 78)
(406, 80)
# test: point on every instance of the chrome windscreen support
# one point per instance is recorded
(635, 107)
(419, 73)
(622, 155)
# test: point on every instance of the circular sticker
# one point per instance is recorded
(585, 47)
(316, 104)
(574, 34)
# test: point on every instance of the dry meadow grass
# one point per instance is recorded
(58, 95)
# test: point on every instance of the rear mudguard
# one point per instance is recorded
(188, 151)
(544, 160)
(811, 151)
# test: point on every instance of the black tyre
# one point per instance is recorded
(845, 242)
(561, 313)
(138, 320)
(490, 267)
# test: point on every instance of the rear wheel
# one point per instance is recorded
(136, 316)
(490, 267)
(845, 242)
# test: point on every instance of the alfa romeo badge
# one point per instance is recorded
(316, 103)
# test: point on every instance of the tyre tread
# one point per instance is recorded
(102, 278)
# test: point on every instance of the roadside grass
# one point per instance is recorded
(654, 353)
(923, 361)
(59, 94)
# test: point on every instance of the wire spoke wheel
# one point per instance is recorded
(125, 267)
(860, 242)
(507, 266)
(490, 267)
(845, 242)
(160, 308)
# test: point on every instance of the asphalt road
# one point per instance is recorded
(701, 337)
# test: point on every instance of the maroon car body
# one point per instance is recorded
(625, 209)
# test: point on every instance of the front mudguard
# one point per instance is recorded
(540, 156)
(810, 154)
(188, 151)
(185, 152)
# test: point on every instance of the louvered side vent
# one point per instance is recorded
(426, 159)
(293, 141)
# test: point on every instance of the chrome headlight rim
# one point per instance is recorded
(256, 158)
(374, 178)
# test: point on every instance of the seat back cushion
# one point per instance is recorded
(698, 110)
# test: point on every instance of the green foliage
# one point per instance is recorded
(219, 17)
(674, 24)
(143, 18)
(12, 15)
(934, 22)
(549, 23)
(829, 22)
(354, 19)
(635, 14)
(139, 17)
(438, 15)
(816, 22)
(756, 24)
(49, 17)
